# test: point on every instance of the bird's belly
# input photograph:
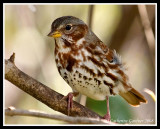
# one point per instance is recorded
(93, 91)
(90, 86)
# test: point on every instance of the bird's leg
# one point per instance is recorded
(107, 116)
(69, 98)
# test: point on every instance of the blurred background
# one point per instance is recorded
(129, 29)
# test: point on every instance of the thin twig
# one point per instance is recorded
(151, 93)
(147, 29)
(43, 93)
(11, 111)
(90, 15)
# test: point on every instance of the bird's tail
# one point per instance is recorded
(133, 97)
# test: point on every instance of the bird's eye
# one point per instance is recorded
(68, 27)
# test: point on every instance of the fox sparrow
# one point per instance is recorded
(88, 65)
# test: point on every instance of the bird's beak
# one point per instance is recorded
(55, 34)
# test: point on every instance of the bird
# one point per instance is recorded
(88, 65)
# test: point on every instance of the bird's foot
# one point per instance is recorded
(107, 117)
(69, 98)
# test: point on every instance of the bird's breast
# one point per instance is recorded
(87, 73)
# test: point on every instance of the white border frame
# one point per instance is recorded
(4, 4)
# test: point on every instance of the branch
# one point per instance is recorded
(11, 111)
(43, 93)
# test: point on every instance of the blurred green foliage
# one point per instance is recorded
(119, 109)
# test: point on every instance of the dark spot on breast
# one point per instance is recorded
(90, 79)
(97, 81)
(86, 83)
(110, 87)
(59, 68)
(71, 62)
(57, 61)
(84, 77)
(65, 77)
(67, 81)
(80, 75)
(111, 91)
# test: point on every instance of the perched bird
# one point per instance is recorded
(88, 65)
